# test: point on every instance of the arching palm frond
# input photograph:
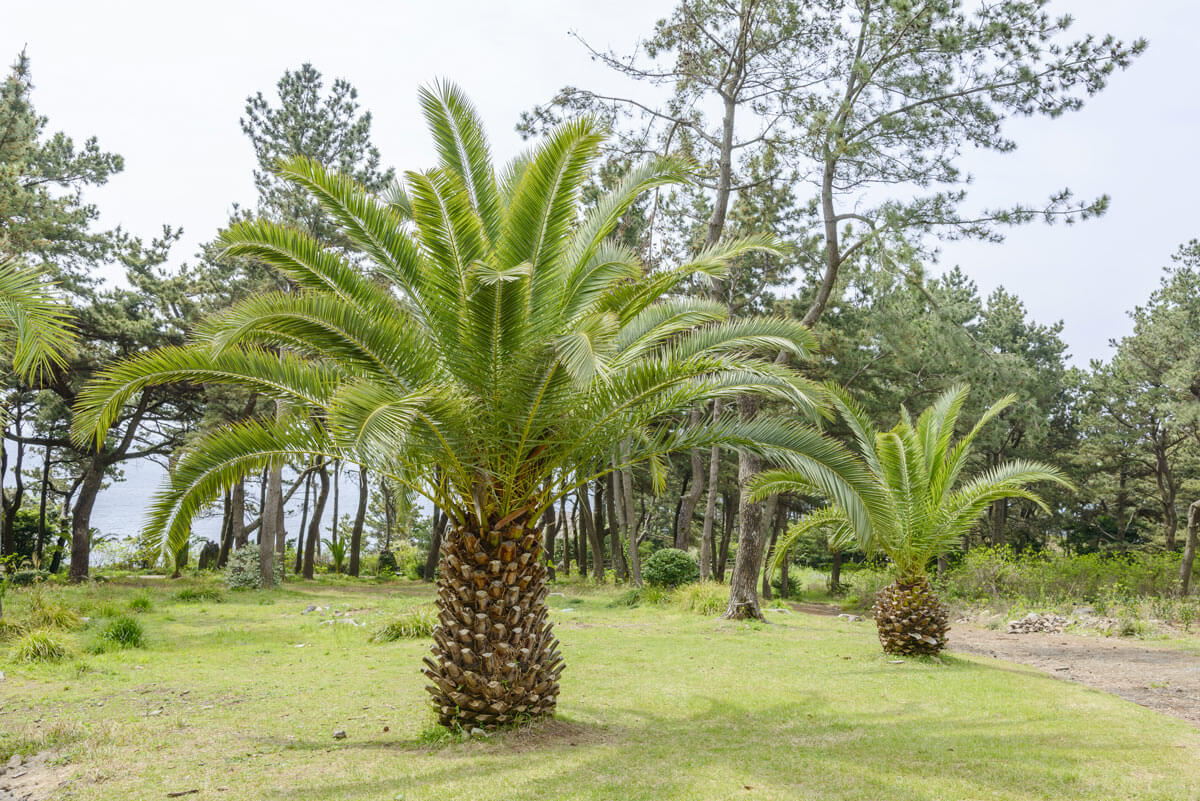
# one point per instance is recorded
(35, 326)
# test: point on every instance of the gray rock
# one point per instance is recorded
(340, 734)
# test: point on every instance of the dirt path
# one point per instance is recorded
(1162, 679)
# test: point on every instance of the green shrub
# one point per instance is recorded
(670, 567)
(122, 632)
(242, 572)
(703, 598)
(630, 598)
(108, 609)
(41, 645)
(24, 578)
(387, 565)
(200, 594)
(140, 603)
(415, 623)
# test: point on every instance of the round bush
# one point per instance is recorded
(670, 567)
(387, 563)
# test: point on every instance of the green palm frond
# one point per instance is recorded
(35, 326)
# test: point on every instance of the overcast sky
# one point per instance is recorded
(165, 83)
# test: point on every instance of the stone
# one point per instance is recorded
(340, 734)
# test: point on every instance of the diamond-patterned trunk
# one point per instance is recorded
(910, 618)
(495, 659)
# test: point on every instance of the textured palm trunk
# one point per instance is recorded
(910, 618)
(495, 659)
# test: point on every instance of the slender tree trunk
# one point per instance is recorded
(625, 482)
(314, 525)
(835, 574)
(334, 531)
(45, 492)
(1189, 548)
(588, 522)
(999, 520)
(564, 523)
(440, 520)
(226, 530)
(729, 513)
(360, 516)
(600, 524)
(81, 519)
(300, 542)
(683, 527)
(616, 516)
(271, 524)
(549, 532)
(710, 505)
(767, 573)
(743, 582)
(238, 498)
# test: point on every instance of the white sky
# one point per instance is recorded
(165, 83)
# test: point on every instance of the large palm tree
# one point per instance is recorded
(922, 506)
(35, 327)
(483, 324)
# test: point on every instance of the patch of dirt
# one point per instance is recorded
(34, 779)
(547, 733)
(1162, 679)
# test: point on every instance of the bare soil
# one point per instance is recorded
(1162, 679)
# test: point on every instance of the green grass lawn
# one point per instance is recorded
(239, 699)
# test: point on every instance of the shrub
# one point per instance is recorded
(415, 623)
(199, 594)
(24, 578)
(140, 603)
(649, 595)
(703, 598)
(670, 567)
(122, 632)
(242, 571)
(108, 609)
(630, 598)
(387, 564)
(41, 645)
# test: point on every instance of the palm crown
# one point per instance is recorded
(921, 505)
(495, 332)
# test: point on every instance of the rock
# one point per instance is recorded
(14, 762)
(340, 734)
(851, 618)
(477, 733)
(1033, 623)
(310, 608)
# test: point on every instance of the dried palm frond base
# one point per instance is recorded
(910, 618)
(495, 660)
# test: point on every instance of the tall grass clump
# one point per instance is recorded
(119, 633)
(703, 598)
(140, 603)
(415, 623)
(200, 594)
(41, 645)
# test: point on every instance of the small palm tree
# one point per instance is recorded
(337, 546)
(35, 328)
(922, 507)
(486, 327)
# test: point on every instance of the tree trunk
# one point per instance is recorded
(549, 532)
(564, 524)
(588, 521)
(314, 525)
(768, 573)
(743, 582)
(226, 530)
(729, 517)
(440, 519)
(240, 535)
(269, 529)
(710, 505)
(616, 514)
(835, 574)
(300, 541)
(999, 520)
(45, 492)
(683, 524)
(1189, 548)
(81, 519)
(495, 658)
(360, 515)
(599, 520)
(631, 528)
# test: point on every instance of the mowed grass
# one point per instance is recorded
(240, 699)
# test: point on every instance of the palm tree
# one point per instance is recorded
(922, 507)
(35, 326)
(485, 326)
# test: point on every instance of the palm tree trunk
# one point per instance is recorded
(495, 658)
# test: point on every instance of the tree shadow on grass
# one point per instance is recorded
(806, 748)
